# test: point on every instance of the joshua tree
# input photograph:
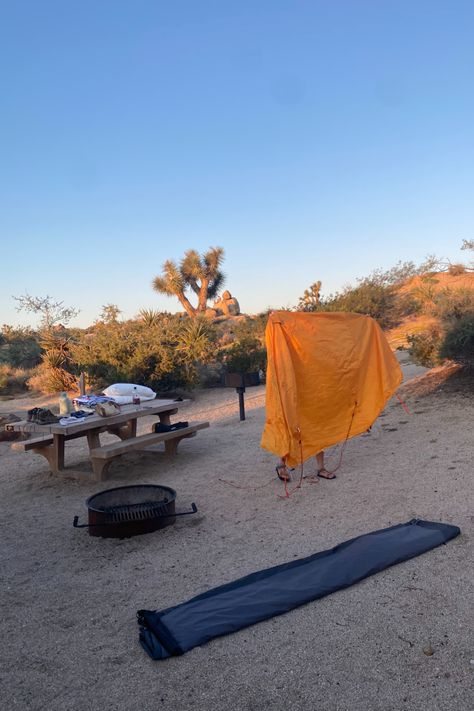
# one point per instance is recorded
(201, 274)
(172, 283)
(311, 298)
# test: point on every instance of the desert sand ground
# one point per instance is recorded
(69, 637)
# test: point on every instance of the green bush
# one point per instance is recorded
(244, 356)
(162, 355)
(380, 301)
(19, 347)
(458, 342)
(252, 327)
(13, 380)
(454, 338)
(453, 304)
(424, 347)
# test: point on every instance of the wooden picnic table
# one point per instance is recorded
(124, 425)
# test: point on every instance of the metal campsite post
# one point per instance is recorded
(240, 390)
(239, 381)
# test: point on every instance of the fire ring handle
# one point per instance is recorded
(76, 523)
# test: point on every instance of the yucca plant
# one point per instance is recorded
(194, 345)
(150, 317)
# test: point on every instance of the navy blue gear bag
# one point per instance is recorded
(276, 590)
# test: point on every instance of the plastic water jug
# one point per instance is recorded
(64, 404)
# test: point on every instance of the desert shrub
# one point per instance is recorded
(48, 379)
(244, 356)
(13, 380)
(162, 355)
(151, 317)
(456, 269)
(377, 295)
(458, 341)
(453, 338)
(252, 327)
(424, 347)
(54, 372)
(195, 344)
(230, 331)
(453, 304)
(19, 347)
(370, 298)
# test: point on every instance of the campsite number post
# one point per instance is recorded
(240, 392)
(240, 381)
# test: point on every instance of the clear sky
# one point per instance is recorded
(312, 139)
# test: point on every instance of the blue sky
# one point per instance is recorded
(312, 139)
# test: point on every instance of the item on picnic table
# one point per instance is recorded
(73, 417)
(106, 409)
(41, 416)
(65, 405)
(129, 390)
(90, 401)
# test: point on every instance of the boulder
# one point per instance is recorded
(227, 305)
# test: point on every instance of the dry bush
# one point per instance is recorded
(13, 380)
(52, 380)
(456, 269)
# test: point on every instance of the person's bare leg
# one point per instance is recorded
(283, 471)
(323, 473)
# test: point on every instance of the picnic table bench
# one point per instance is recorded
(124, 425)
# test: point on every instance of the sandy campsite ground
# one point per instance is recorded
(69, 637)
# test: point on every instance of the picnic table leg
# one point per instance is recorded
(171, 445)
(99, 466)
(58, 450)
(126, 431)
(53, 453)
(93, 439)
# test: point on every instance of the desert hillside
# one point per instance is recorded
(425, 289)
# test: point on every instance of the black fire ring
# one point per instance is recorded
(131, 510)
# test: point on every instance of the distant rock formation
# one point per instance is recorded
(227, 305)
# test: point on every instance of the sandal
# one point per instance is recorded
(282, 472)
(321, 476)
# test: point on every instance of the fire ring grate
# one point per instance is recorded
(131, 510)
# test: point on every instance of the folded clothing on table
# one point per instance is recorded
(73, 417)
(90, 401)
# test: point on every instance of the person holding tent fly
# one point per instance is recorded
(329, 376)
